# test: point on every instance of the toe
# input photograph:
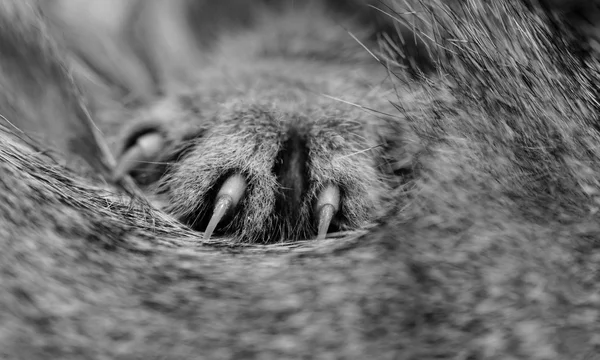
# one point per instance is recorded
(145, 148)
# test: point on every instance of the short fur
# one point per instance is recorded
(489, 250)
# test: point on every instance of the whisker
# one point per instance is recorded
(364, 46)
(356, 105)
(359, 152)
(392, 16)
(153, 162)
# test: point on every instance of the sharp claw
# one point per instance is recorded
(328, 203)
(325, 215)
(228, 198)
(222, 207)
(145, 148)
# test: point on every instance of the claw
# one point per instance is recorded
(227, 199)
(145, 148)
(328, 204)
(325, 215)
(222, 207)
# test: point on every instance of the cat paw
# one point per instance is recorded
(266, 172)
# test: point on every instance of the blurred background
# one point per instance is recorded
(143, 48)
(140, 49)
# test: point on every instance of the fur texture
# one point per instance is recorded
(488, 251)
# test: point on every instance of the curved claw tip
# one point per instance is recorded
(223, 205)
(228, 197)
(145, 148)
(325, 216)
